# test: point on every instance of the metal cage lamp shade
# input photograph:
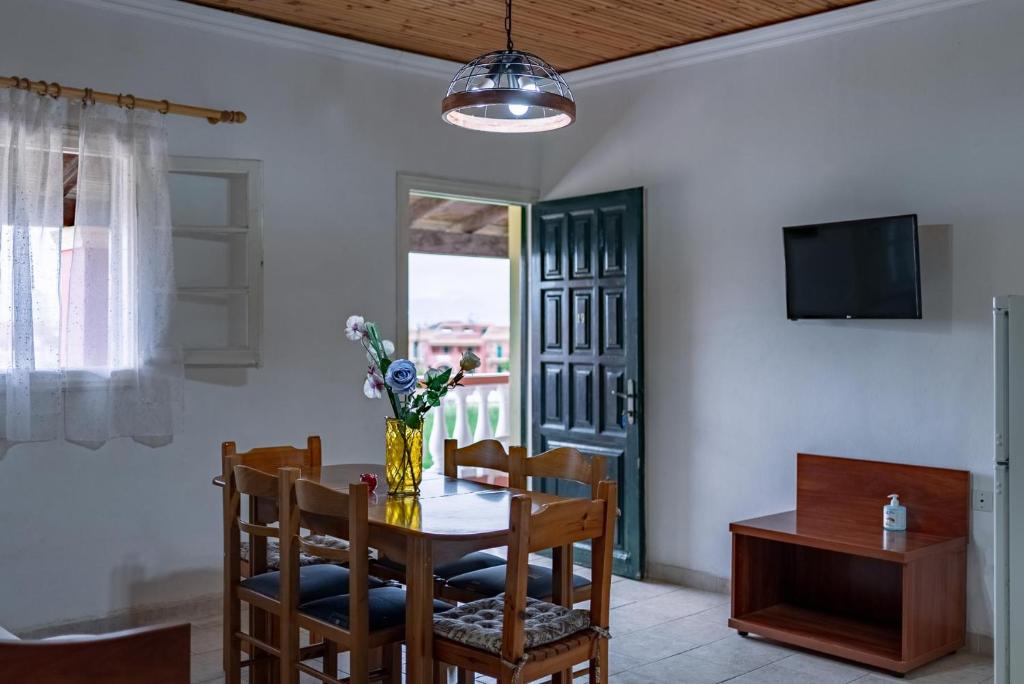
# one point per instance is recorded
(508, 91)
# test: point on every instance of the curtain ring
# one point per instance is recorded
(166, 107)
(87, 97)
(58, 90)
(45, 86)
(130, 98)
(24, 83)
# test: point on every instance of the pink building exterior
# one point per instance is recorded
(444, 343)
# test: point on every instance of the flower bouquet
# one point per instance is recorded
(410, 396)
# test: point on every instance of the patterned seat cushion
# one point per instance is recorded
(478, 623)
(491, 581)
(387, 608)
(274, 551)
(315, 582)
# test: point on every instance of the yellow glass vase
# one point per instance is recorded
(403, 459)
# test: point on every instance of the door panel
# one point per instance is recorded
(586, 353)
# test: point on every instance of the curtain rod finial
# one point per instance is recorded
(228, 117)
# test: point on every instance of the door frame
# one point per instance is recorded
(476, 191)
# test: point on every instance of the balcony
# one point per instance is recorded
(479, 393)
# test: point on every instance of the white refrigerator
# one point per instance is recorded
(1008, 325)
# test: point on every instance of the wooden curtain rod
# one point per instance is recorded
(88, 95)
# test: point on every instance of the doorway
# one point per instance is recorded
(459, 267)
(573, 371)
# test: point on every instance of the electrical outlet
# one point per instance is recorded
(981, 500)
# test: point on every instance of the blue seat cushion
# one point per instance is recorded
(478, 560)
(387, 608)
(471, 562)
(491, 581)
(315, 582)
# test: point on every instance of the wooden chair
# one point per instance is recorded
(264, 458)
(488, 454)
(262, 589)
(522, 652)
(563, 464)
(155, 655)
(366, 616)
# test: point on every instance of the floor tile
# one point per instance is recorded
(648, 646)
(828, 670)
(207, 666)
(679, 669)
(747, 653)
(779, 673)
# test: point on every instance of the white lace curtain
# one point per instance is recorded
(86, 350)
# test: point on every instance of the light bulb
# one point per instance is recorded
(484, 83)
(518, 109)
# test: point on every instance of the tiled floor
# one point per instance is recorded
(664, 634)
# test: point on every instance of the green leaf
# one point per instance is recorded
(413, 421)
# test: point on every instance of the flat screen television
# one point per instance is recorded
(869, 268)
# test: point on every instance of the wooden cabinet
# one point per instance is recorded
(826, 577)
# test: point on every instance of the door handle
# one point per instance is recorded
(630, 396)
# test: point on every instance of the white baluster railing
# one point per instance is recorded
(480, 390)
(438, 434)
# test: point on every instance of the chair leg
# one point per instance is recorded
(599, 665)
(359, 665)
(563, 677)
(232, 645)
(392, 663)
(440, 672)
(288, 643)
(330, 658)
(465, 676)
(259, 661)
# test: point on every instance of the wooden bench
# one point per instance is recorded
(828, 578)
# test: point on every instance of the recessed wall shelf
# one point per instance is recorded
(217, 218)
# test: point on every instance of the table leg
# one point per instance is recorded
(419, 613)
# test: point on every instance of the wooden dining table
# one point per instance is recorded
(450, 518)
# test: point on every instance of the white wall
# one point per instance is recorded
(919, 116)
(87, 533)
(922, 115)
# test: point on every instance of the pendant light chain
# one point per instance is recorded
(508, 23)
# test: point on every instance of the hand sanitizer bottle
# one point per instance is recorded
(894, 516)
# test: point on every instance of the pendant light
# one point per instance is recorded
(508, 91)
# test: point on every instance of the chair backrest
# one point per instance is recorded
(271, 458)
(321, 510)
(560, 524)
(488, 453)
(155, 655)
(257, 466)
(565, 463)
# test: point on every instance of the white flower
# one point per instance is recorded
(389, 349)
(374, 386)
(355, 328)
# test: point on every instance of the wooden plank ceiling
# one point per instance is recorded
(445, 226)
(570, 34)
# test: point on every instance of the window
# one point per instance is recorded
(216, 213)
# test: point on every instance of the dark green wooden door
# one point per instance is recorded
(586, 368)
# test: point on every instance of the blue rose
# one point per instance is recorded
(401, 376)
